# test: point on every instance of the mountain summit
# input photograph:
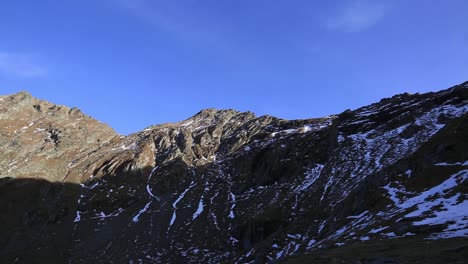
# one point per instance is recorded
(381, 184)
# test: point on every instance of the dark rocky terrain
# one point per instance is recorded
(385, 183)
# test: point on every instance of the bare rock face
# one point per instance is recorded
(42, 140)
(228, 187)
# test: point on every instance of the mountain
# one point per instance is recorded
(385, 183)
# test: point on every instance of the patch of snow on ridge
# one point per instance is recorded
(437, 205)
(283, 132)
(306, 128)
(186, 123)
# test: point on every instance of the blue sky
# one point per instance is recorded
(134, 63)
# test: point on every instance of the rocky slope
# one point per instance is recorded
(229, 187)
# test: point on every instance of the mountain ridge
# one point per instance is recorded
(225, 186)
(25, 99)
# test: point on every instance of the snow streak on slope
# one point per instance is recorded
(311, 176)
(174, 205)
(233, 205)
(135, 218)
(199, 209)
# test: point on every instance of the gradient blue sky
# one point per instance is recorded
(134, 63)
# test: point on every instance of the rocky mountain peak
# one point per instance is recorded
(22, 95)
(211, 113)
(41, 139)
(24, 102)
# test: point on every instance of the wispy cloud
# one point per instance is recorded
(173, 18)
(20, 65)
(146, 12)
(356, 16)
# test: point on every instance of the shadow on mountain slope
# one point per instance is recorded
(36, 220)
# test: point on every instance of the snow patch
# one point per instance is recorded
(311, 243)
(233, 205)
(199, 209)
(135, 219)
(436, 206)
(148, 188)
(78, 217)
(174, 205)
(408, 173)
(452, 164)
(377, 230)
(173, 219)
(311, 176)
(181, 196)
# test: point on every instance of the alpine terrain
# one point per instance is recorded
(385, 183)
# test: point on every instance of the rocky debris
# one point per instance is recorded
(228, 187)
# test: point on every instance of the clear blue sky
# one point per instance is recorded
(134, 63)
